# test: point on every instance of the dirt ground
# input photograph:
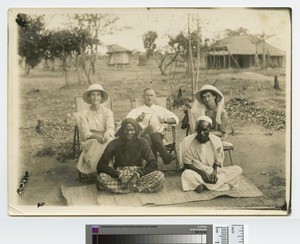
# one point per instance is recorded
(47, 156)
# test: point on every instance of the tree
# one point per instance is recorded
(95, 25)
(165, 58)
(64, 44)
(261, 40)
(179, 46)
(83, 60)
(149, 42)
(29, 42)
(167, 55)
(237, 32)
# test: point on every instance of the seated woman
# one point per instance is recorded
(97, 127)
(209, 101)
(128, 172)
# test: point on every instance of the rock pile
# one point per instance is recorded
(240, 108)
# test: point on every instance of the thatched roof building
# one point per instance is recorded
(243, 52)
(118, 55)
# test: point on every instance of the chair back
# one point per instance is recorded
(160, 101)
(191, 121)
(80, 105)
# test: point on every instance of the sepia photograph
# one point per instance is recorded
(149, 111)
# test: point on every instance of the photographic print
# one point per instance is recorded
(149, 111)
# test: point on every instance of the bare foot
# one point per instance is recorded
(200, 188)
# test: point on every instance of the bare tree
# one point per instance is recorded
(165, 57)
(96, 25)
(262, 41)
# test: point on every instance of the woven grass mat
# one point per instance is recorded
(171, 194)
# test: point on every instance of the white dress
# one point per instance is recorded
(99, 122)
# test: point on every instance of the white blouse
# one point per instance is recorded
(99, 121)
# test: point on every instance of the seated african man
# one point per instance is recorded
(127, 173)
(203, 157)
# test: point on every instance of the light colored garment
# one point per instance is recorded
(203, 157)
(219, 116)
(151, 119)
(91, 122)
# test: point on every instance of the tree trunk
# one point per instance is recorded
(66, 77)
(93, 63)
(87, 72)
(264, 56)
(191, 59)
(53, 64)
(276, 83)
(214, 59)
(45, 65)
(27, 69)
(198, 55)
(162, 70)
(79, 75)
(65, 71)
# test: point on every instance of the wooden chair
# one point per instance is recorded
(227, 146)
(80, 105)
(169, 140)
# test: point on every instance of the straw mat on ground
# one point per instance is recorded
(171, 194)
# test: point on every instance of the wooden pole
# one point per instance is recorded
(191, 59)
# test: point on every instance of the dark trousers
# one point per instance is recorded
(155, 140)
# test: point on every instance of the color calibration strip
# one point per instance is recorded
(149, 239)
(166, 234)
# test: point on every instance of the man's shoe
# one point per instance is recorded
(169, 160)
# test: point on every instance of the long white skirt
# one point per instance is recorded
(228, 177)
(90, 156)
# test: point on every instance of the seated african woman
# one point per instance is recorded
(203, 156)
(209, 101)
(127, 174)
(97, 127)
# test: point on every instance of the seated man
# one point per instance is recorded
(203, 156)
(152, 119)
(128, 173)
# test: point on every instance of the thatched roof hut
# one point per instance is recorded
(243, 52)
(118, 55)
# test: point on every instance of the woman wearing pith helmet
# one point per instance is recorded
(97, 128)
(209, 101)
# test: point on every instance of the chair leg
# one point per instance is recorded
(172, 147)
(231, 160)
(187, 130)
(78, 143)
(178, 165)
(79, 176)
(74, 142)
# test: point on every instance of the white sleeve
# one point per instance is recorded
(169, 114)
(134, 113)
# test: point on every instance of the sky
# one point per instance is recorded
(213, 23)
(172, 21)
